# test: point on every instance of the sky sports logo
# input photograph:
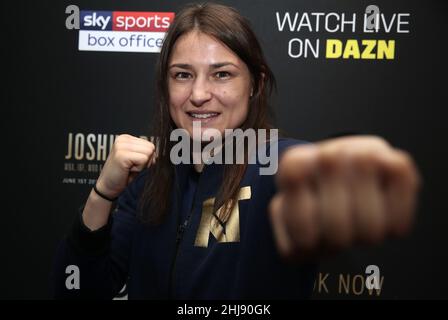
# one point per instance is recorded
(119, 31)
(126, 21)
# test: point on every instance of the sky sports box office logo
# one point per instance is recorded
(123, 31)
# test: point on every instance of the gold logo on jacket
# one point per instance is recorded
(209, 224)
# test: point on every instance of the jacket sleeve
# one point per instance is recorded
(94, 264)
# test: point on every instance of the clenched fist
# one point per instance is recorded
(342, 191)
(129, 156)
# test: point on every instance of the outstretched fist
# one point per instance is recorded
(341, 192)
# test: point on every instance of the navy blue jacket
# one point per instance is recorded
(190, 255)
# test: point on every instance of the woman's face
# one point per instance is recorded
(207, 82)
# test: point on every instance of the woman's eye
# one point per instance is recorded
(222, 75)
(182, 75)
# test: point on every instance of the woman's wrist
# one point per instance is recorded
(103, 195)
(96, 211)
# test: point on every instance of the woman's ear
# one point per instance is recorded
(252, 86)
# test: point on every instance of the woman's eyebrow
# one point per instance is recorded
(222, 64)
(212, 66)
(181, 65)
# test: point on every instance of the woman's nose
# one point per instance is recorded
(201, 92)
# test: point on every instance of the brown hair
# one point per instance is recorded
(229, 27)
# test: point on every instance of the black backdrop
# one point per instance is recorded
(53, 91)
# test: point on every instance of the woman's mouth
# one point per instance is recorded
(203, 117)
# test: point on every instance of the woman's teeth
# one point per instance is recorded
(203, 115)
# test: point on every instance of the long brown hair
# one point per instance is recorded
(229, 27)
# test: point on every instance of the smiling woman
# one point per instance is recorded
(225, 231)
(211, 69)
(207, 83)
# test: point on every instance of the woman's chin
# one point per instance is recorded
(205, 134)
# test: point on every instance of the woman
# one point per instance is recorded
(204, 231)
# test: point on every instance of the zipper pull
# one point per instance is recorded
(180, 231)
